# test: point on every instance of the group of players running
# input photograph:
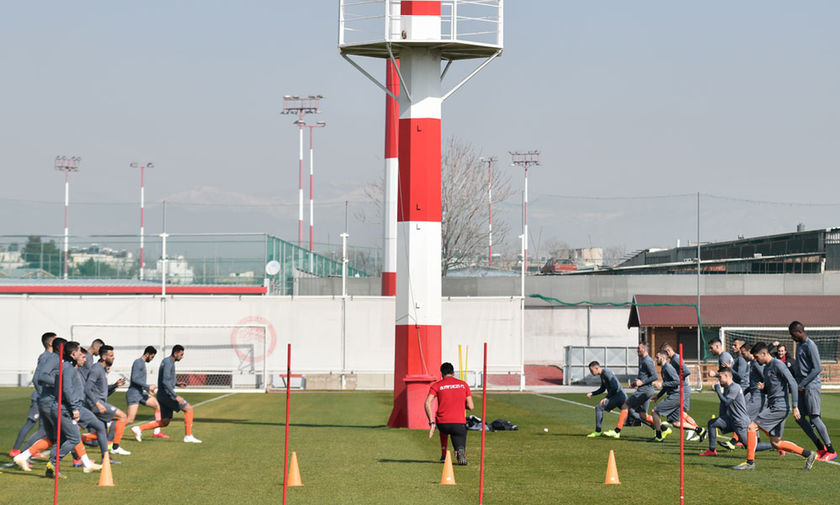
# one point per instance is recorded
(756, 391)
(84, 389)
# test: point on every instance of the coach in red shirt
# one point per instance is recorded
(453, 396)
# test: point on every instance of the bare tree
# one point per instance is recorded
(465, 212)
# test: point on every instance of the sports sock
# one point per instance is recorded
(830, 448)
(659, 433)
(599, 417)
(622, 418)
(786, 446)
(649, 419)
(118, 432)
(752, 440)
(819, 425)
(80, 450)
(150, 425)
(88, 437)
(805, 424)
(86, 460)
(689, 421)
(39, 446)
(188, 422)
(157, 418)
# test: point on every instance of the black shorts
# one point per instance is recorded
(169, 406)
(457, 432)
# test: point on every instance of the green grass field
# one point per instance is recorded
(348, 456)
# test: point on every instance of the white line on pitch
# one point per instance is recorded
(138, 423)
(569, 401)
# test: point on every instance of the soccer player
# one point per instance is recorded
(44, 380)
(139, 392)
(638, 403)
(92, 351)
(453, 396)
(669, 407)
(771, 419)
(97, 392)
(34, 414)
(169, 401)
(734, 417)
(72, 400)
(674, 357)
(807, 375)
(615, 395)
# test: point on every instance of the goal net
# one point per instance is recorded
(827, 339)
(223, 358)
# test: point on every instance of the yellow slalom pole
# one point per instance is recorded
(460, 363)
(466, 364)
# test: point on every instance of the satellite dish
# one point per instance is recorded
(272, 267)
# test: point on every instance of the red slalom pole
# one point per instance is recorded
(483, 426)
(288, 395)
(57, 446)
(682, 429)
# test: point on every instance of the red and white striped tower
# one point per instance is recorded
(392, 117)
(142, 209)
(300, 106)
(421, 47)
(319, 124)
(525, 160)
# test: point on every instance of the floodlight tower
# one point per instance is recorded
(389, 214)
(67, 164)
(319, 124)
(301, 106)
(490, 162)
(525, 159)
(422, 36)
(143, 167)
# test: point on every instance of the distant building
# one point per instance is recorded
(800, 252)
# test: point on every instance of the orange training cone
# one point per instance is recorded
(612, 471)
(294, 472)
(105, 476)
(448, 477)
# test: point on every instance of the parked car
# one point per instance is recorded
(558, 265)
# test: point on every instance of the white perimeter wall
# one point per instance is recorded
(315, 326)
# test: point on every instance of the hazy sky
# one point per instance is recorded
(625, 99)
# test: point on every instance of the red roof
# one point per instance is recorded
(735, 310)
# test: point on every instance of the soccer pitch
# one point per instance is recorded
(348, 456)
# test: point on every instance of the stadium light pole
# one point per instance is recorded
(67, 164)
(525, 159)
(490, 162)
(301, 106)
(319, 124)
(149, 164)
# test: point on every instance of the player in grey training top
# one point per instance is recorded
(637, 405)
(724, 361)
(72, 401)
(92, 351)
(34, 414)
(139, 392)
(777, 383)
(674, 358)
(615, 395)
(807, 374)
(170, 402)
(97, 392)
(733, 410)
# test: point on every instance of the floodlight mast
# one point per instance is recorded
(525, 159)
(413, 32)
(67, 164)
(319, 124)
(490, 161)
(301, 106)
(149, 164)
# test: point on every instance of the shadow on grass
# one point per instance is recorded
(408, 461)
(212, 420)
